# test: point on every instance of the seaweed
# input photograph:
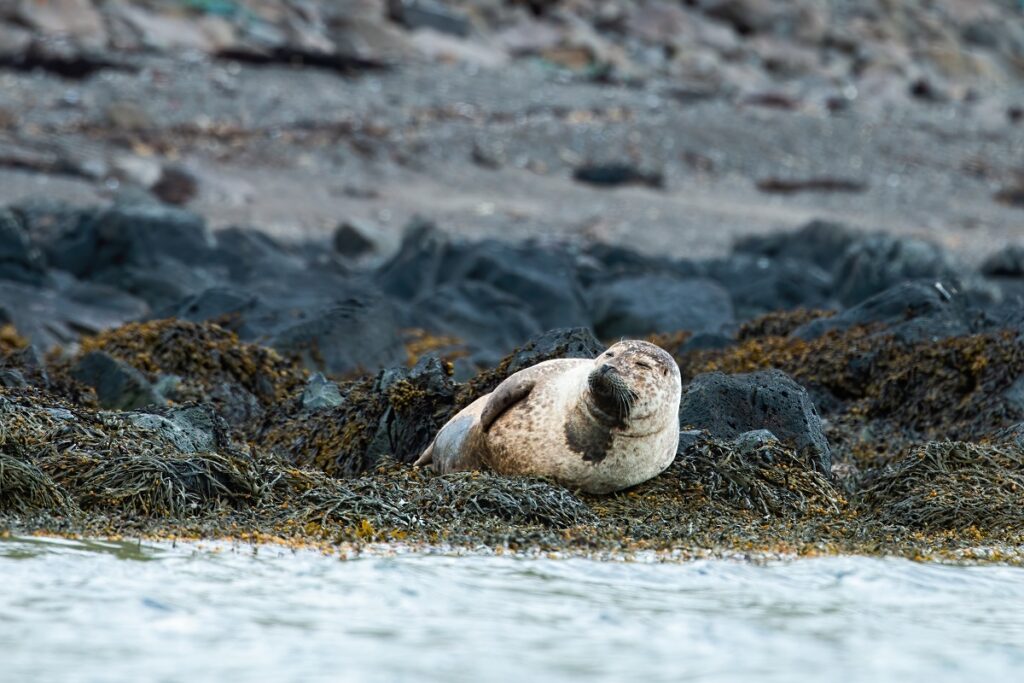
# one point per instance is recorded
(949, 486)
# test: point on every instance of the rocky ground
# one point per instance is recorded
(253, 255)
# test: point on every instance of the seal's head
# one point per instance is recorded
(634, 380)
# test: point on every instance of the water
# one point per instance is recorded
(97, 611)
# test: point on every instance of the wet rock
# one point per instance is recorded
(568, 342)
(76, 19)
(540, 277)
(58, 315)
(615, 174)
(352, 239)
(360, 332)
(911, 311)
(319, 393)
(143, 235)
(419, 403)
(642, 305)
(819, 242)
(778, 185)
(12, 378)
(489, 321)
(416, 14)
(1008, 262)
(118, 385)
(190, 429)
(759, 284)
(729, 405)
(175, 185)
(749, 443)
(874, 263)
(19, 259)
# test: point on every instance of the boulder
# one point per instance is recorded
(641, 305)
(728, 406)
(118, 385)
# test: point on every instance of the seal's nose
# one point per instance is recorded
(605, 369)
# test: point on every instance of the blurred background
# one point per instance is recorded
(313, 132)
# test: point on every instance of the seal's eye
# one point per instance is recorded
(644, 365)
(610, 354)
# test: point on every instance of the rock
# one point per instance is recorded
(14, 42)
(20, 261)
(729, 405)
(759, 284)
(875, 263)
(352, 239)
(58, 315)
(1008, 262)
(1014, 395)
(358, 333)
(128, 116)
(567, 342)
(417, 14)
(420, 401)
(12, 378)
(911, 311)
(142, 235)
(489, 321)
(118, 385)
(175, 185)
(615, 174)
(190, 429)
(164, 32)
(779, 185)
(541, 278)
(77, 20)
(320, 393)
(819, 242)
(641, 305)
(748, 443)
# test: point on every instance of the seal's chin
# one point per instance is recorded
(610, 393)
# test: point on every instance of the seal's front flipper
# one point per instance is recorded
(510, 392)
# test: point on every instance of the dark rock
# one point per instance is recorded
(247, 255)
(57, 315)
(729, 405)
(689, 438)
(131, 235)
(175, 186)
(569, 342)
(420, 401)
(1014, 395)
(541, 278)
(414, 14)
(12, 378)
(823, 184)
(641, 305)
(875, 263)
(358, 332)
(489, 321)
(238, 406)
(19, 259)
(760, 284)
(246, 314)
(819, 242)
(320, 393)
(190, 429)
(118, 385)
(351, 239)
(912, 311)
(1008, 262)
(615, 174)
(159, 284)
(750, 442)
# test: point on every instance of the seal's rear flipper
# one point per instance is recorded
(510, 392)
(426, 458)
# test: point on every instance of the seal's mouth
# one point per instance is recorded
(611, 395)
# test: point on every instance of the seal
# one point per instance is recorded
(596, 425)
